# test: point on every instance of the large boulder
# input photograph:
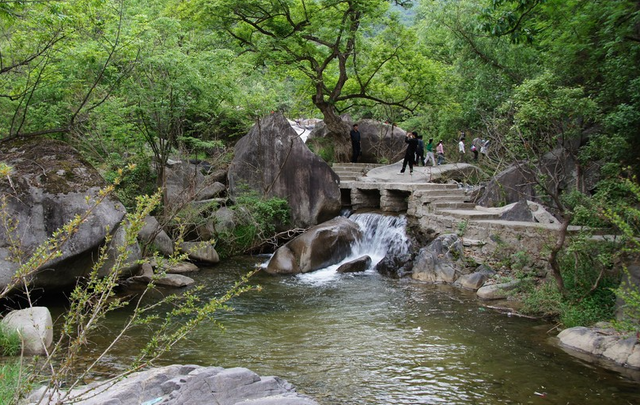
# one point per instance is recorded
(272, 161)
(155, 237)
(49, 186)
(35, 327)
(439, 262)
(518, 181)
(185, 182)
(380, 142)
(623, 349)
(177, 385)
(321, 246)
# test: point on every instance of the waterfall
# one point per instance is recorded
(382, 235)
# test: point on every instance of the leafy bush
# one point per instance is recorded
(257, 221)
(138, 180)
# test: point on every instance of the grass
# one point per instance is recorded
(9, 380)
(10, 342)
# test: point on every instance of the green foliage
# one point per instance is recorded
(626, 218)
(139, 180)
(257, 220)
(10, 373)
(10, 342)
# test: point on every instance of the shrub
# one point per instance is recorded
(257, 221)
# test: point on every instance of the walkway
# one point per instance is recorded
(444, 207)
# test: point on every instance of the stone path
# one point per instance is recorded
(445, 207)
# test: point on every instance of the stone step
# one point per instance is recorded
(452, 205)
(438, 195)
(469, 214)
(436, 186)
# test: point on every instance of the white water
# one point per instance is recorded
(383, 235)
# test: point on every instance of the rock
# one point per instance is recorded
(175, 280)
(34, 326)
(190, 385)
(519, 211)
(497, 291)
(147, 274)
(49, 185)
(517, 182)
(273, 161)
(151, 233)
(130, 266)
(436, 263)
(472, 281)
(185, 183)
(182, 267)
(393, 265)
(485, 270)
(380, 142)
(622, 349)
(355, 266)
(201, 252)
(320, 246)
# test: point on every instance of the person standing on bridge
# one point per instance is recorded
(355, 144)
(430, 153)
(440, 152)
(410, 154)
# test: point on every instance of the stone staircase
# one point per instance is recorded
(441, 199)
(352, 171)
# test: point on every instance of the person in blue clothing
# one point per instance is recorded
(409, 155)
(419, 150)
(355, 143)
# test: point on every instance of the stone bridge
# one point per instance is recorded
(445, 208)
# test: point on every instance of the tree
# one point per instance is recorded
(331, 43)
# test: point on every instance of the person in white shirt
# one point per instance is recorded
(461, 149)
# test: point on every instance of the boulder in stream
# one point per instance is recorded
(356, 265)
(321, 246)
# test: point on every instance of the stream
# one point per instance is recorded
(368, 339)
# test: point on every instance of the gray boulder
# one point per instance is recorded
(131, 265)
(520, 211)
(152, 234)
(35, 327)
(518, 181)
(497, 291)
(380, 142)
(320, 246)
(184, 385)
(272, 161)
(472, 281)
(49, 186)
(175, 280)
(439, 261)
(201, 252)
(356, 265)
(622, 349)
(185, 182)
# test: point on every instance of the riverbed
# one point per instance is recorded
(369, 339)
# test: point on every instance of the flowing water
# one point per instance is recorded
(367, 339)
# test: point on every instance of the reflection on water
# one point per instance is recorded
(366, 339)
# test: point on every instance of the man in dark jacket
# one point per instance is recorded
(355, 143)
(409, 155)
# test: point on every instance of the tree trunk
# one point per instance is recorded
(553, 256)
(332, 120)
